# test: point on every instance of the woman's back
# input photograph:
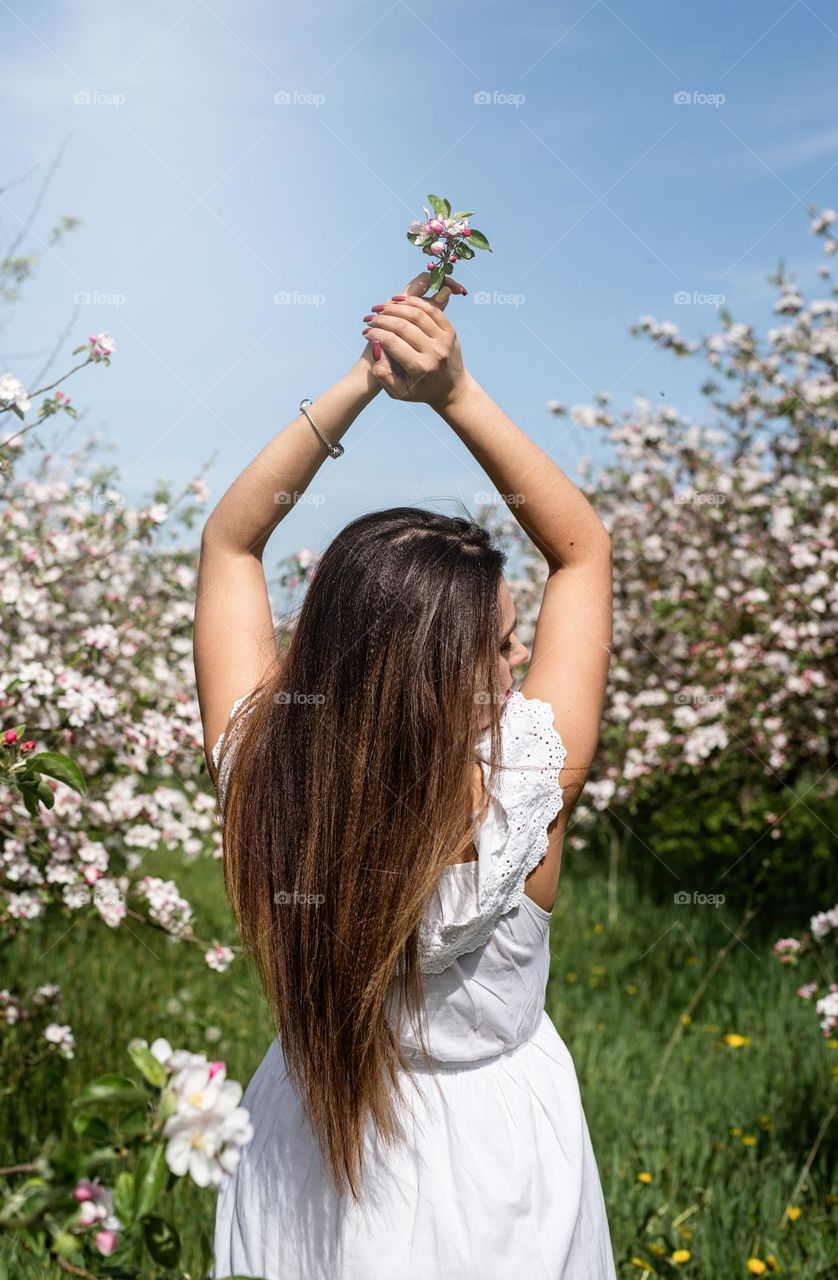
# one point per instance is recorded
(493, 1133)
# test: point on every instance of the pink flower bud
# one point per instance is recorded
(28, 746)
(438, 247)
(83, 1190)
(435, 226)
(106, 1241)
(466, 231)
(10, 737)
(215, 1067)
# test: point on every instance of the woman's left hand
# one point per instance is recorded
(412, 349)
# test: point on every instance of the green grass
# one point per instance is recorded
(705, 1180)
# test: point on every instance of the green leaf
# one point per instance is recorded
(162, 1240)
(440, 207)
(144, 1060)
(464, 251)
(90, 1127)
(45, 794)
(437, 277)
(60, 767)
(30, 799)
(149, 1179)
(123, 1196)
(464, 213)
(108, 1090)
(479, 241)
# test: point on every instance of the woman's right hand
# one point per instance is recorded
(417, 349)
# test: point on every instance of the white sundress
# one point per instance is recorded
(497, 1177)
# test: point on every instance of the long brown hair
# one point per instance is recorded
(349, 792)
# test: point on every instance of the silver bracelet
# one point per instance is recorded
(335, 450)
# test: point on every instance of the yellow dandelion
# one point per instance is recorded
(657, 1249)
(765, 1123)
(794, 1213)
(571, 977)
(598, 969)
(599, 928)
(773, 1264)
(685, 1233)
(734, 1041)
(736, 1133)
(749, 1140)
(640, 1262)
(832, 1044)
(686, 1019)
(756, 1266)
(631, 989)
(681, 1255)
(645, 1178)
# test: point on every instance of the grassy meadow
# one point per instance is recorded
(716, 1162)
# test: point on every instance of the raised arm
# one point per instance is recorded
(572, 645)
(234, 644)
(571, 650)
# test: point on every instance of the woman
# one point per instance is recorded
(393, 816)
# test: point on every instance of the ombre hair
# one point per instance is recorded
(350, 791)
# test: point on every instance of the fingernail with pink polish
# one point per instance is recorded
(379, 306)
(376, 350)
(369, 317)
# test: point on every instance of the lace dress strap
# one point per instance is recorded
(224, 772)
(512, 839)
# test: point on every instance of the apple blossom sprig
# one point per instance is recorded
(26, 769)
(447, 237)
(102, 1193)
(14, 398)
(823, 929)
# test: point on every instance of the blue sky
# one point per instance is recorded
(203, 197)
